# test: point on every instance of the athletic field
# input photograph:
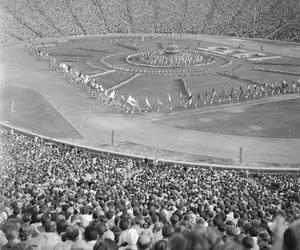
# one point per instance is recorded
(267, 127)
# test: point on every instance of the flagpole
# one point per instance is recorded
(12, 110)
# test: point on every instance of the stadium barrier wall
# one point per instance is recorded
(252, 170)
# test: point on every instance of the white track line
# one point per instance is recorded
(125, 82)
(103, 73)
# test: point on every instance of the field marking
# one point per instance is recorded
(125, 82)
(102, 73)
(227, 106)
(236, 39)
(55, 109)
(92, 65)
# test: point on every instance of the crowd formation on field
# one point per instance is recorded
(56, 196)
(185, 100)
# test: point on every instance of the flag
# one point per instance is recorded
(87, 78)
(213, 93)
(148, 104)
(180, 98)
(241, 92)
(112, 95)
(190, 97)
(231, 92)
(205, 98)
(298, 84)
(248, 92)
(123, 101)
(138, 105)
(159, 102)
(198, 100)
(170, 99)
(77, 73)
(123, 98)
(131, 101)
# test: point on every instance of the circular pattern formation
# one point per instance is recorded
(161, 59)
(210, 63)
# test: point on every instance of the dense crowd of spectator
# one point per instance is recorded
(21, 19)
(55, 196)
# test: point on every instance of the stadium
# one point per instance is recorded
(149, 125)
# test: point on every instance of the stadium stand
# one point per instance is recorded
(21, 20)
(55, 196)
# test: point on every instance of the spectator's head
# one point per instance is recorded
(26, 217)
(105, 244)
(191, 240)
(117, 231)
(11, 235)
(167, 230)
(144, 242)
(160, 245)
(108, 235)
(102, 228)
(61, 226)
(24, 231)
(50, 227)
(72, 233)
(248, 242)
(291, 237)
(45, 218)
(3, 217)
(253, 231)
(90, 234)
(124, 224)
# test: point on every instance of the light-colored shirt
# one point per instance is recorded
(46, 241)
(64, 245)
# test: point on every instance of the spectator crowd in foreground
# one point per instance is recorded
(55, 196)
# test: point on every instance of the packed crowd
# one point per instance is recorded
(22, 20)
(56, 196)
(160, 59)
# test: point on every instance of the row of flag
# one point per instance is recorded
(186, 97)
(212, 97)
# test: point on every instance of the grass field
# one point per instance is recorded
(34, 113)
(277, 119)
